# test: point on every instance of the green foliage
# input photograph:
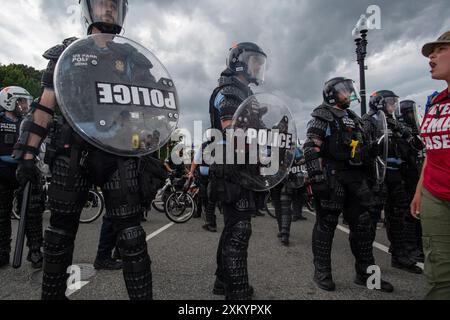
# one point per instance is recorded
(22, 76)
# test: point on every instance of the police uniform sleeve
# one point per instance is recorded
(53, 55)
(316, 134)
(233, 97)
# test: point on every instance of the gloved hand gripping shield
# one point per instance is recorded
(116, 95)
(264, 136)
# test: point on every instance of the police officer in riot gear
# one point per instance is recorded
(245, 66)
(14, 103)
(334, 155)
(391, 195)
(76, 165)
(411, 168)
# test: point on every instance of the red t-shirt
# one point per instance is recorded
(435, 132)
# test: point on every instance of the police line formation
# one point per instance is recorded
(111, 92)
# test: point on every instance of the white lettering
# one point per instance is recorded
(104, 93)
(437, 144)
(122, 94)
(170, 101)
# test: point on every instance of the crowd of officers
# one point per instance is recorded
(386, 202)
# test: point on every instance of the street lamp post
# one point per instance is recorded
(360, 36)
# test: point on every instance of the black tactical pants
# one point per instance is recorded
(349, 194)
(73, 173)
(282, 202)
(233, 245)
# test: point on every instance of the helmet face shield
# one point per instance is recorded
(110, 13)
(15, 99)
(346, 94)
(391, 105)
(256, 65)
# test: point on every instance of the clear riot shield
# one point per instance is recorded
(116, 95)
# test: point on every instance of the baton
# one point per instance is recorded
(20, 239)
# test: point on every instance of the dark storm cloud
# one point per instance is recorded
(307, 42)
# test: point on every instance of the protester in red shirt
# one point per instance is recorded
(432, 200)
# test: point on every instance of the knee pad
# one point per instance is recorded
(132, 244)
(136, 263)
(58, 250)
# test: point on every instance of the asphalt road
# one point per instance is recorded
(183, 265)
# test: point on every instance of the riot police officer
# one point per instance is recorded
(245, 66)
(288, 199)
(334, 155)
(410, 169)
(391, 195)
(76, 165)
(14, 103)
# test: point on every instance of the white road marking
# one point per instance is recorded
(377, 245)
(154, 234)
(149, 237)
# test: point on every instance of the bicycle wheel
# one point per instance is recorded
(268, 206)
(93, 208)
(158, 205)
(180, 207)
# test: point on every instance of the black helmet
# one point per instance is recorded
(382, 100)
(249, 60)
(100, 14)
(408, 113)
(336, 86)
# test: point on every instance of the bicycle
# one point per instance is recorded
(180, 206)
(92, 210)
(161, 197)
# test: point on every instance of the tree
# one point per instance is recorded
(22, 76)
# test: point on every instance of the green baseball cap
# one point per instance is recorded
(429, 47)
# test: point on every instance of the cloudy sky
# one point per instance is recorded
(307, 43)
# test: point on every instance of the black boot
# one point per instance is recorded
(361, 280)
(403, 262)
(36, 258)
(285, 240)
(107, 264)
(417, 256)
(324, 280)
(209, 228)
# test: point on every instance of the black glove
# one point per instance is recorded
(395, 126)
(27, 171)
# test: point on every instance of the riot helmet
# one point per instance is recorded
(340, 92)
(384, 100)
(15, 99)
(249, 60)
(106, 15)
(408, 113)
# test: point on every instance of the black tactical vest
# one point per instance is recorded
(344, 140)
(9, 134)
